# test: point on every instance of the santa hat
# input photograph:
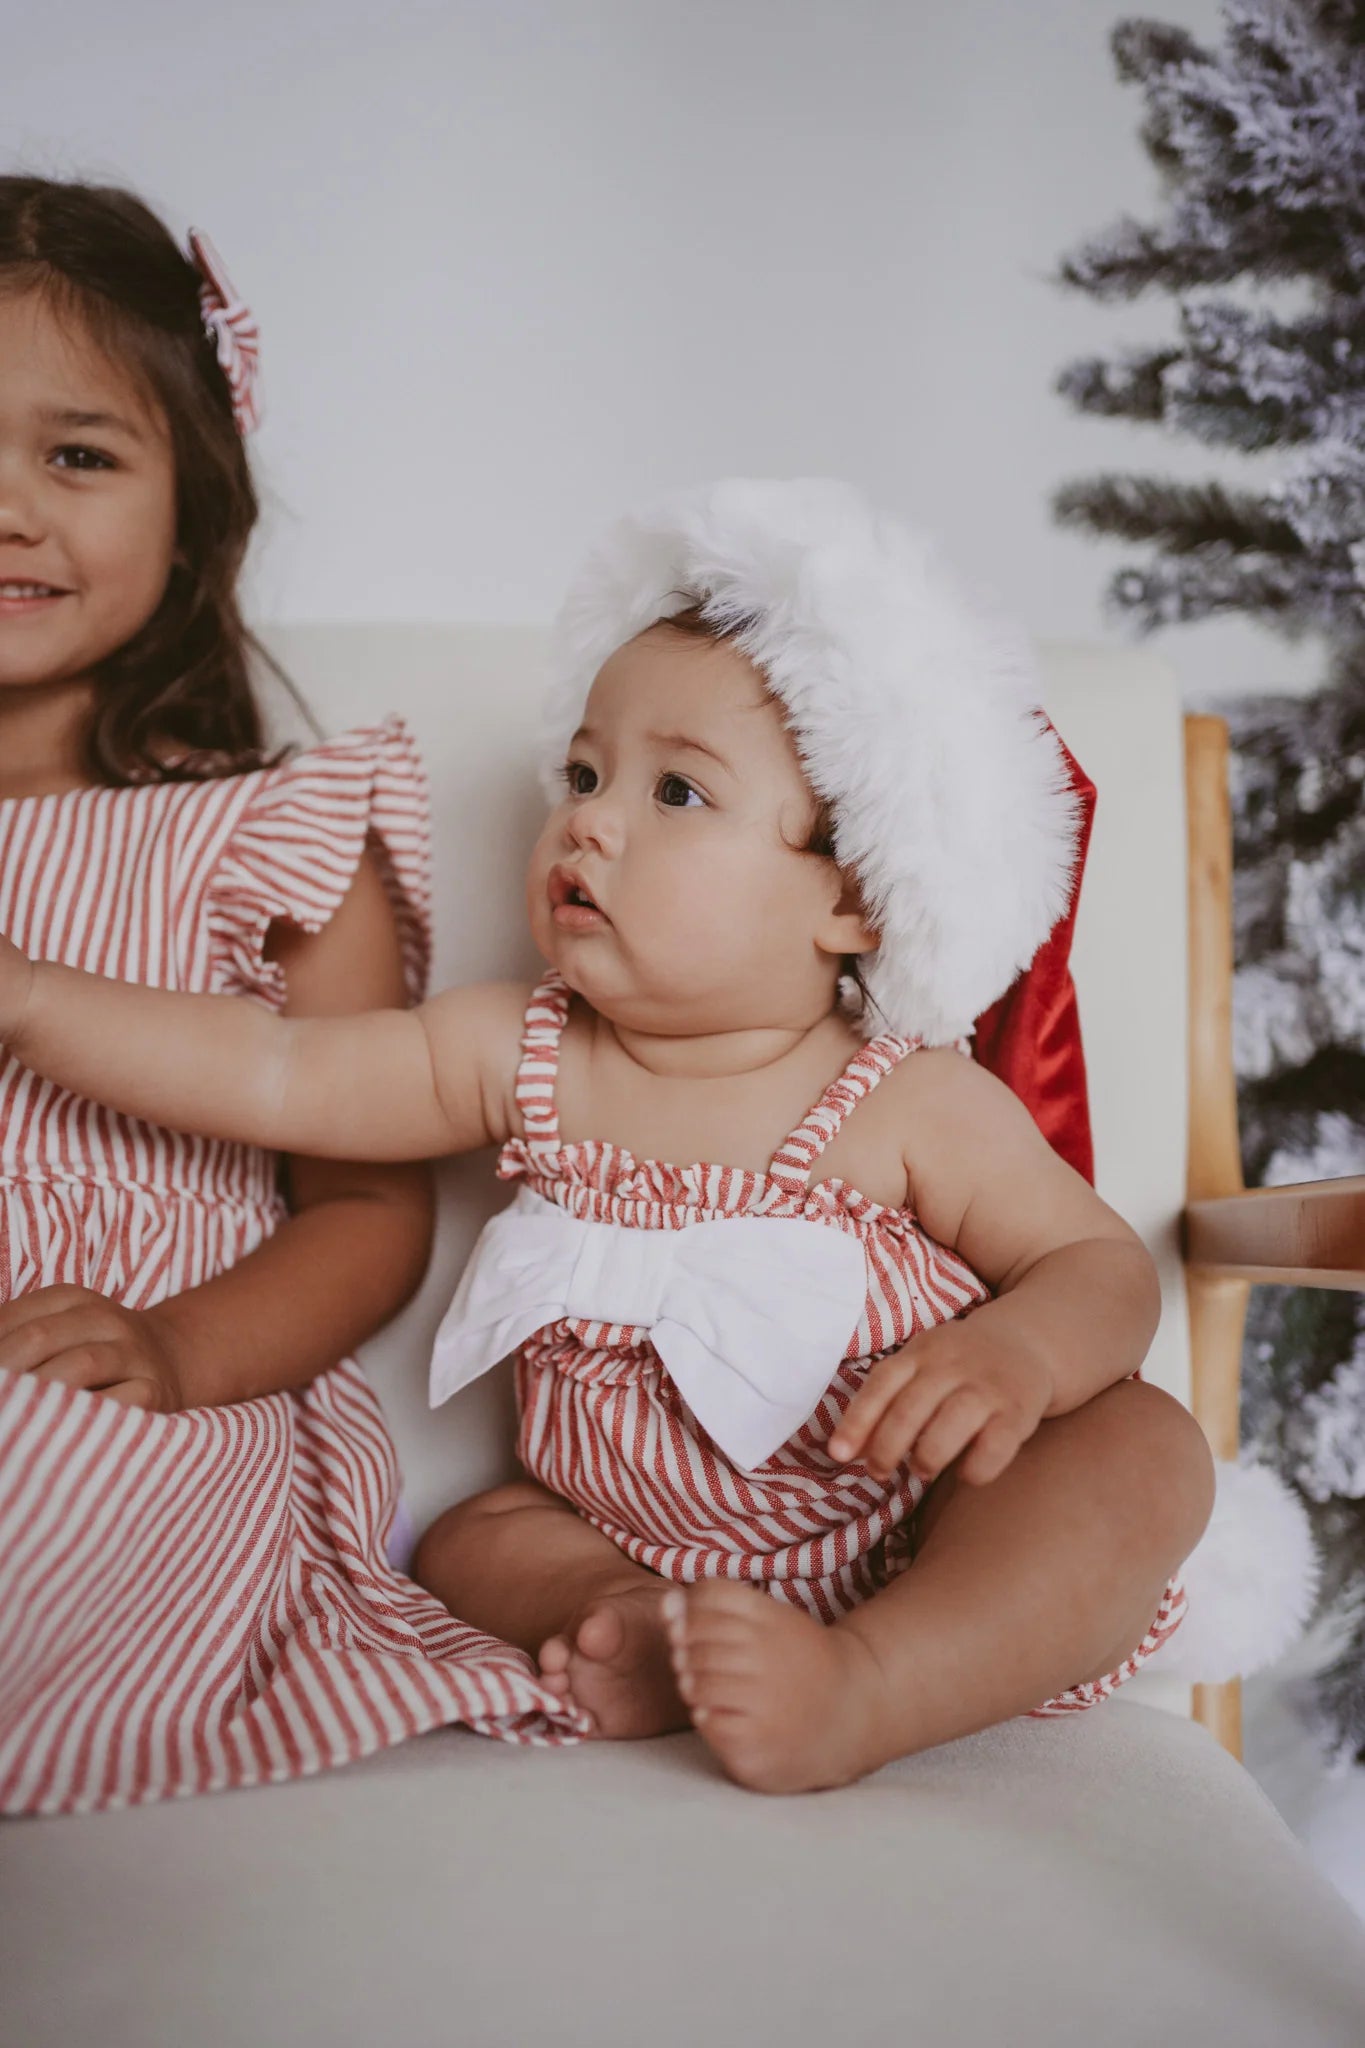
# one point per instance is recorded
(915, 713)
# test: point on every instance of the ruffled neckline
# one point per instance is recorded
(606, 1169)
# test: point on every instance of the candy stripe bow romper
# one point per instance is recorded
(201, 1600)
(603, 1426)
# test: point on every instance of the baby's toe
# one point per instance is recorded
(720, 1676)
(601, 1634)
(719, 1601)
(712, 1613)
(708, 1661)
(554, 1657)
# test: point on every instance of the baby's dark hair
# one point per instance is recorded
(176, 702)
(694, 621)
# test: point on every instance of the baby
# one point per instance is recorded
(831, 1435)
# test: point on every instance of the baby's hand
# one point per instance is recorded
(950, 1387)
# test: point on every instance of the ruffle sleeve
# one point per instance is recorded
(293, 853)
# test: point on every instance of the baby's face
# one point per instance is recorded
(668, 886)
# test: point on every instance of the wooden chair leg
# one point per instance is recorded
(1219, 1709)
(1218, 1307)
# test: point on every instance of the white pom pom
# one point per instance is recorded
(1251, 1582)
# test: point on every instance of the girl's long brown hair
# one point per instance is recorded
(176, 703)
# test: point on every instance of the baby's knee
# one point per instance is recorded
(1176, 1455)
(466, 1523)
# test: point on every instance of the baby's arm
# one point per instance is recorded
(348, 1256)
(1076, 1295)
(386, 1084)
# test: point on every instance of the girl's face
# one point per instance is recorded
(87, 500)
(667, 886)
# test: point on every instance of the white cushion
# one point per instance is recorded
(1113, 1878)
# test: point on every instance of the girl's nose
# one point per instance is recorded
(20, 522)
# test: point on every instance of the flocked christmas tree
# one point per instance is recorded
(1261, 141)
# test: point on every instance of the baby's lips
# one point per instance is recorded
(572, 903)
(563, 884)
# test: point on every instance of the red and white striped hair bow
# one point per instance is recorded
(231, 326)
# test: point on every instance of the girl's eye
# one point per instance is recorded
(678, 794)
(76, 456)
(581, 779)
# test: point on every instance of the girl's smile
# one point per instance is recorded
(25, 600)
(87, 500)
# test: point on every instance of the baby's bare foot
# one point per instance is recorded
(613, 1662)
(787, 1705)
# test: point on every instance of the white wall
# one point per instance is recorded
(518, 265)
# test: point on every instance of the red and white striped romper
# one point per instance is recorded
(603, 1426)
(200, 1600)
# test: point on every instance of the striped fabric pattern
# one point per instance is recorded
(202, 1600)
(602, 1425)
(231, 326)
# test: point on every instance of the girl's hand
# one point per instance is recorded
(16, 980)
(85, 1340)
(951, 1388)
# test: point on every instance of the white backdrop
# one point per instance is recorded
(520, 264)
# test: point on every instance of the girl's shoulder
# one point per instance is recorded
(364, 769)
(179, 883)
(295, 839)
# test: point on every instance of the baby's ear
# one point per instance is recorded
(846, 929)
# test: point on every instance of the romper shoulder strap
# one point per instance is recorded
(792, 1162)
(539, 1065)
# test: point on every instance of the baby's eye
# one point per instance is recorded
(678, 793)
(74, 455)
(579, 778)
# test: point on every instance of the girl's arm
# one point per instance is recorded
(1076, 1303)
(347, 1258)
(386, 1084)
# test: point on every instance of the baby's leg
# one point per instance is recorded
(1046, 1578)
(522, 1564)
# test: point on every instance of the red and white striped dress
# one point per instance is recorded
(603, 1426)
(201, 1600)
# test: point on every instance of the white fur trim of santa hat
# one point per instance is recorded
(913, 709)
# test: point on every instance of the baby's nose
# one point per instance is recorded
(595, 823)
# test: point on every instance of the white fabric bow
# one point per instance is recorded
(751, 1315)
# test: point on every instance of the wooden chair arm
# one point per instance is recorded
(1308, 1235)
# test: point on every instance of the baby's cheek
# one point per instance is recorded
(717, 916)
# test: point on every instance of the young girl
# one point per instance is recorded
(788, 759)
(192, 1593)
